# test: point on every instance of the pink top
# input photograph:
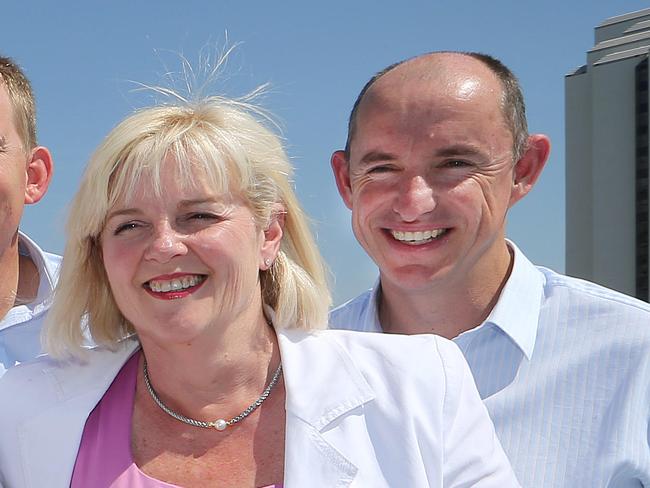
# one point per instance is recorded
(104, 458)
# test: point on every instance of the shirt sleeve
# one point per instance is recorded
(473, 456)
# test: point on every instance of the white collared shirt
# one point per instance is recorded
(20, 328)
(563, 366)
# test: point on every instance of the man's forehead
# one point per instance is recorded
(5, 102)
(437, 76)
(7, 122)
(432, 89)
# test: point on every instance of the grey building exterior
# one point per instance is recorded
(607, 209)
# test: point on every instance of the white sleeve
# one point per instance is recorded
(473, 456)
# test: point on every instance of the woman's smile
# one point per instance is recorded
(172, 287)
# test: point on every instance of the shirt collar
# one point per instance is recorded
(516, 312)
(46, 272)
(370, 318)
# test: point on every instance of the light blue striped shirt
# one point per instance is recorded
(563, 366)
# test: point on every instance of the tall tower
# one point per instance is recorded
(607, 209)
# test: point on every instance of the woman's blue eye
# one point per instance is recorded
(203, 216)
(124, 227)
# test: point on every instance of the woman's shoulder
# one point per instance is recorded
(397, 347)
(35, 385)
(407, 360)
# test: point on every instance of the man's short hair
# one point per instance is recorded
(512, 103)
(22, 101)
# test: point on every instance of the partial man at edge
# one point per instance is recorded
(27, 274)
(438, 151)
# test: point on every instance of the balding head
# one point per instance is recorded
(455, 73)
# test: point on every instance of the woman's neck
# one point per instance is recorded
(219, 373)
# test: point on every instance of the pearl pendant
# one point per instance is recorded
(220, 424)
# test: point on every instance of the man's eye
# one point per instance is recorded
(455, 163)
(380, 169)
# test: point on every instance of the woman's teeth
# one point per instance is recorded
(176, 284)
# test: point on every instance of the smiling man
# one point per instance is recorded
(437, 153)
(27, 273)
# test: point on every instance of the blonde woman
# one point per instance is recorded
(192, 265)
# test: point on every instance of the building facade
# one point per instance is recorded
(607, 209)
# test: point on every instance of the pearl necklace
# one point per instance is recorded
(219, 424)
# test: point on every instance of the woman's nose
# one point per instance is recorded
(166, 243)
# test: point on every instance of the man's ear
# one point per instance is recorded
(272, 238)
(530, 166)
(38, 172)
(341, 169)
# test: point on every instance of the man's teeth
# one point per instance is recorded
(417, 237)
(175, 284)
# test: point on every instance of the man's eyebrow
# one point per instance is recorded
(375, 156)
(458, 150)
(444, 152)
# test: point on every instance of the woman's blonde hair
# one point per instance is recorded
(227, 141)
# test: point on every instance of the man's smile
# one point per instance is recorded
(417, 237)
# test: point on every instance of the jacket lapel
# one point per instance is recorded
(49, 460)
(322, 385)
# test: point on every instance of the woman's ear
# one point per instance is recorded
(272, 238)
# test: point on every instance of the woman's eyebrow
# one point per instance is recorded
(199, 201)
(122, 212)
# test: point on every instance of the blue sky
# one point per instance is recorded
(81, 56)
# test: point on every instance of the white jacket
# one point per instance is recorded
(363, 410)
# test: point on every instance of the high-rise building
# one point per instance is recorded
(607, 119)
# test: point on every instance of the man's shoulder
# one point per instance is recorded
(584, 293)
(610, 318)
(352, 313)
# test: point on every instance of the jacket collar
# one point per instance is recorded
(307, 395)
(322, 385)
(50, 463)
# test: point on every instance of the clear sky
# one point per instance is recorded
(81, 56)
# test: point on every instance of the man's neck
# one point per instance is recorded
(446, 308)
(9, 266)
(28, 280)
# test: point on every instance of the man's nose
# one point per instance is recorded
(415, 198)
(165, 244)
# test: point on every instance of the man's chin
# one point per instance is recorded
(414, 277)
